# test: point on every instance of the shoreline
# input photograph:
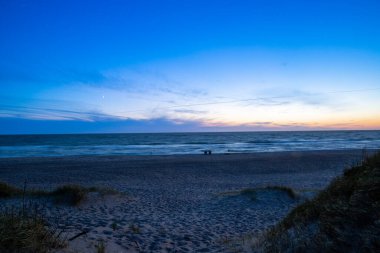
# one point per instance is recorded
(41, 171)
(369, 150)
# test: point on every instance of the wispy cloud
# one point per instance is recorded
(190, 111)
(27, 112)
(147, 82)
(56, 109)
(211, 92)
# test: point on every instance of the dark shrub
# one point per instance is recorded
(7, 191)
(69, 194)
(26, 232)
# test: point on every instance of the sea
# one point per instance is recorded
(183, 143)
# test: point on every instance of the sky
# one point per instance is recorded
(181, 66)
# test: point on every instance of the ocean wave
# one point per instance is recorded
(192, 143)
(260, 142)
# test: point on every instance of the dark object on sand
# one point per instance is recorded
(84, 232)
(207, 152)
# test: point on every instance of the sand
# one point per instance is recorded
(176, 203)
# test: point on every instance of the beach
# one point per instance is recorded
(177, 203)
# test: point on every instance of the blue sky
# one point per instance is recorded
(147, 66)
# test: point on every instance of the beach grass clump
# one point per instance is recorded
(103, 190)
(344, 217)
(7, 191)
(69, 194)
(249, 193)
(114, 226)
(134, 228)
(25, 230)
(289, 191)
(100, 247)
(72, 195)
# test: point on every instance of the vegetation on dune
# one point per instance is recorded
(100, 247)
(289, 191)
(67, 194)
(25, 230)
(251, 193)
(7, 191)
(345, 217)
(104, 190)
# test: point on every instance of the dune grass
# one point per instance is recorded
(100, 247)
(343, 218)
(251, 193)
(70, 194)
(7, 191)
(24, 229)
(289, 191)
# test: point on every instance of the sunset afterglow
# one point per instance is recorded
(103, 67)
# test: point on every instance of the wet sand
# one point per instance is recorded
(177, 203)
